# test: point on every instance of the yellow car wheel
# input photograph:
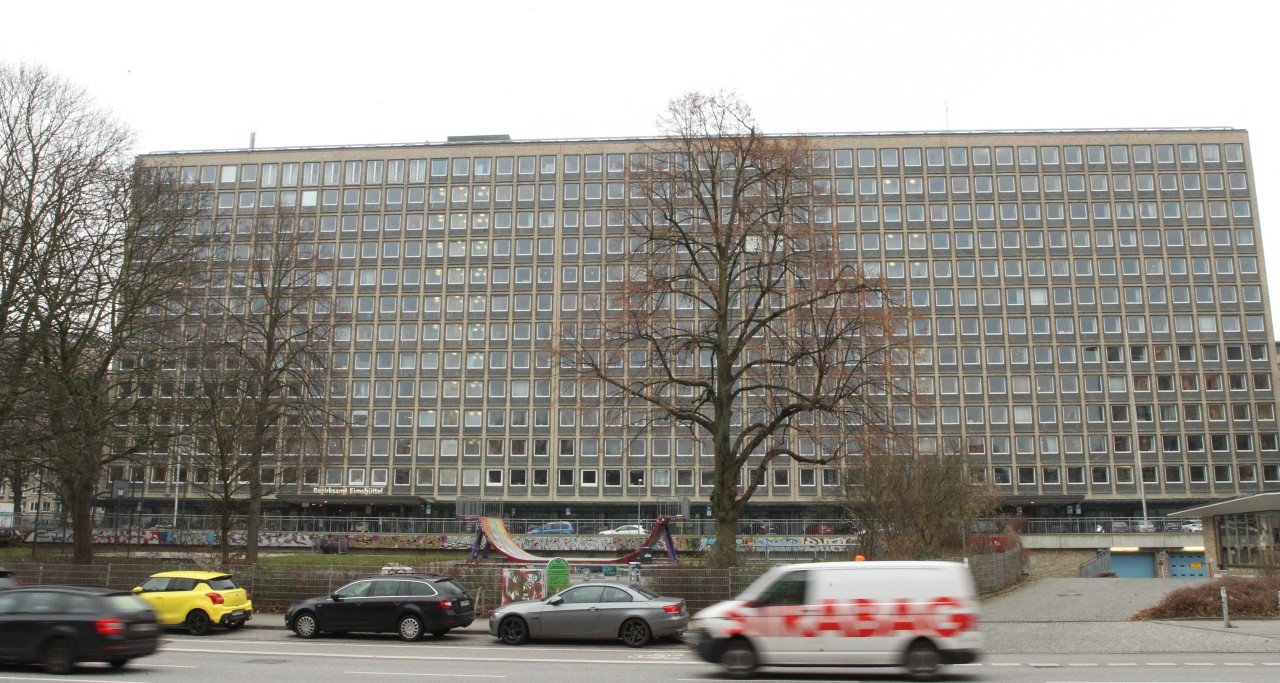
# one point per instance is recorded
(198, 623)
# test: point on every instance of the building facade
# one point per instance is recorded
(1091, 322)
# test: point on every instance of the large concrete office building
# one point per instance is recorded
(1092, 304)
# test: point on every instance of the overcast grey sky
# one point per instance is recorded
(204, 75)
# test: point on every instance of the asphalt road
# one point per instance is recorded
(270, 654)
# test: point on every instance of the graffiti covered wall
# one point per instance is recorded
(380, 541)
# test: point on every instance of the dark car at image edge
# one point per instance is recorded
(410, 605)
(8, 579)
(60, 626)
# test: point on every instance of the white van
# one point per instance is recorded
(917, 615)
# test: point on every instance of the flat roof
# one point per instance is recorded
(471, 140)
(1259, 502)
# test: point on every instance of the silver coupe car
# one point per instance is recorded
(601, 610)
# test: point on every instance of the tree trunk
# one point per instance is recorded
(251, 524)
(224, 536)
(77, 495)
(254, 513)
(725, 551)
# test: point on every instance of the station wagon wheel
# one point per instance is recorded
(513, 631)
(636, 633)
(198, 623)
(739, 658)
(922, 661)
(410, 628)
(58, 657)
(305, 625)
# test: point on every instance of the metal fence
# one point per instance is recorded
(274, 588)
(699, 527)
(1098, 566)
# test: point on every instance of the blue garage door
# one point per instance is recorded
(1186, 565)
(1134, 565)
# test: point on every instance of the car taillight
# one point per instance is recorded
(109, 627)
(247, 596)
(215, 598)
(672, 609)
(446, 604)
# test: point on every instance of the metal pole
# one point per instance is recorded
(35, 532)
(1226, 617)
(176, 489)
(1142, 486)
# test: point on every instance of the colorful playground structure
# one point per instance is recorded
(492, 535)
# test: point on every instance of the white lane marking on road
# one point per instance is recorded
(391, 643)
(1122, 663)
(419, 658)
(67, 678)
(168, 666)
(394, 673)
(1082, 664)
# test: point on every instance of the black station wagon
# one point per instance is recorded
(409, 605)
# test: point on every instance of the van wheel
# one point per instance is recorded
(922, 661)
(739, 658)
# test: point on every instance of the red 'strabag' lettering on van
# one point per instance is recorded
(944, 617)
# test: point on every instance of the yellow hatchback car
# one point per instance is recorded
(197, 600)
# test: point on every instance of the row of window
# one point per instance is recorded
(1011, 264)
(388, 279)
(500, 414)
(425, 420)
(1124, 474)
(395, 171)
(660, 478)
(868, 214)
(937, 188)
(433, 306)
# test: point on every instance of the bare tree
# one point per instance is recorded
(257, 377)
(737, 322)
(912, 502)
(94, 256)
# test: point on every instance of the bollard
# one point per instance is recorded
(1226, 618)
